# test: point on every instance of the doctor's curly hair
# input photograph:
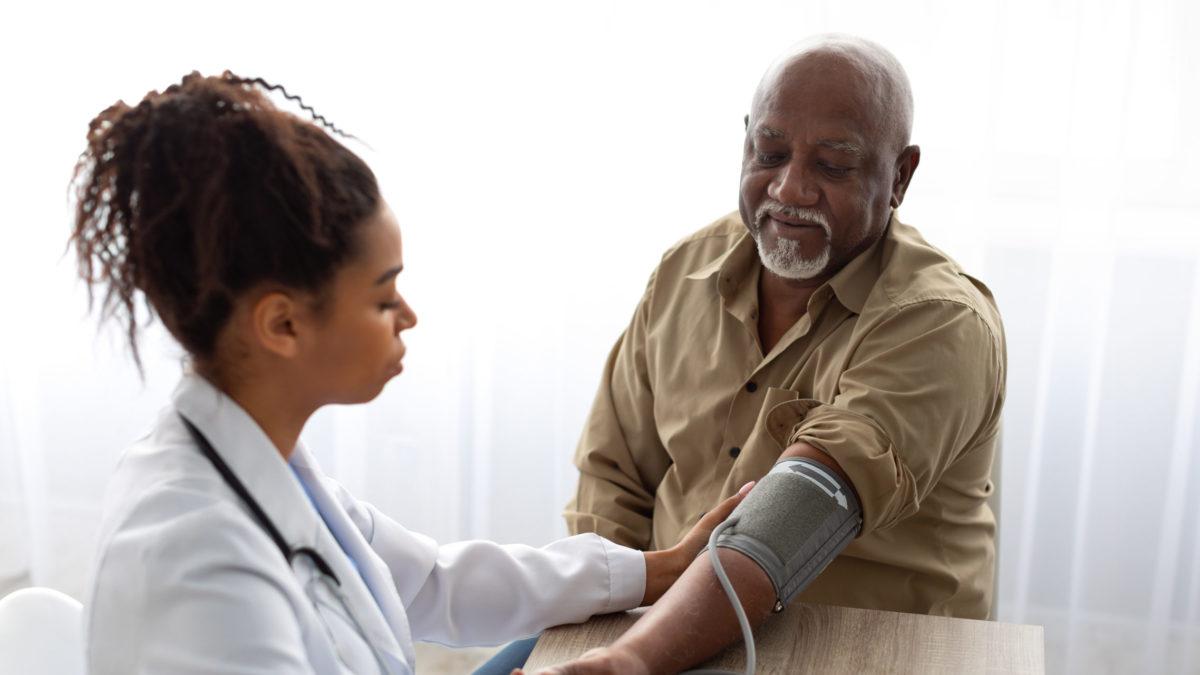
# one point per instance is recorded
(205, 190)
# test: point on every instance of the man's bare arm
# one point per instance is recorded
(694, 620)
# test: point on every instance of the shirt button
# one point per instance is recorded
(735, 451)
(751, 387)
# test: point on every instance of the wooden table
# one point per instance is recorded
(823, 639)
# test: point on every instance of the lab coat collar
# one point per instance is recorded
(253, 458)
(245, 447)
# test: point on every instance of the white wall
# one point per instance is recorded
(541, 156)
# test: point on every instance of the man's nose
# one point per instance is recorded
(794, 185)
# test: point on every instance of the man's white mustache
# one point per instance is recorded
(796, 212)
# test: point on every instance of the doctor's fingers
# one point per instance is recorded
(726, 507)
(719, 513)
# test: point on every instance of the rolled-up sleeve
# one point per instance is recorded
(620, 457)
(922, 384)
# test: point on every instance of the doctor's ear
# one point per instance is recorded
(274, 323)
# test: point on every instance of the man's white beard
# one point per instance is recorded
(785, 259)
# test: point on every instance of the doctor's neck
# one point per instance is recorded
(272, 403)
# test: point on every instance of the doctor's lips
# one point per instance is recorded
(397, 364)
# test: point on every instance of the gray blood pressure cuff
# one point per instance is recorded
(793, 523)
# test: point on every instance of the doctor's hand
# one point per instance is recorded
(664, 567)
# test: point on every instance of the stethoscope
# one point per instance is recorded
(290, 553)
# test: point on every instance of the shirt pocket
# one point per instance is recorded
(781, 409)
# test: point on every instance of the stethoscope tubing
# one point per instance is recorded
(231, 479)
(289, 552)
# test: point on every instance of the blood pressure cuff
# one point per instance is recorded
(793, 523)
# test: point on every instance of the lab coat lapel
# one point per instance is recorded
(373, 588)
(249, 453)
(243, 445)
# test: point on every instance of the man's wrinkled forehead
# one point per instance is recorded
(847, 118)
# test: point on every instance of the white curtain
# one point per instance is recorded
(541, 156)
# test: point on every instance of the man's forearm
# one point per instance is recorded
(694, 619)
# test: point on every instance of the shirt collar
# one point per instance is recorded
(736, 259)
(852, 284)
(736, 273)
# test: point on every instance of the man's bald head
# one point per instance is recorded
(879, 80)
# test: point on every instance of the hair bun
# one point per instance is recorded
(205, 189)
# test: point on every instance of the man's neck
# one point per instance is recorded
(781, 302)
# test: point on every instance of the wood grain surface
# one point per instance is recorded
(822, 639)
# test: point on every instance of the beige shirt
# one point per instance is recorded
(896, 371)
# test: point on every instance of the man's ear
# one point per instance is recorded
(906, 166)
(274, 323)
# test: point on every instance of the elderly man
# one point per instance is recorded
(811, 331)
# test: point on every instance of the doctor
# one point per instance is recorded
(264, 247)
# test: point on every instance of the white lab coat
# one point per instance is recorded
(186, 581)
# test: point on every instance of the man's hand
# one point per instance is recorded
(600, 661)
(664, 567)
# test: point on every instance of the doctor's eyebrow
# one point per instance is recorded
(388, 275)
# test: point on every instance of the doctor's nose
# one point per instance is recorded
(405, 317)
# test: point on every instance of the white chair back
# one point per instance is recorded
(41, 632)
